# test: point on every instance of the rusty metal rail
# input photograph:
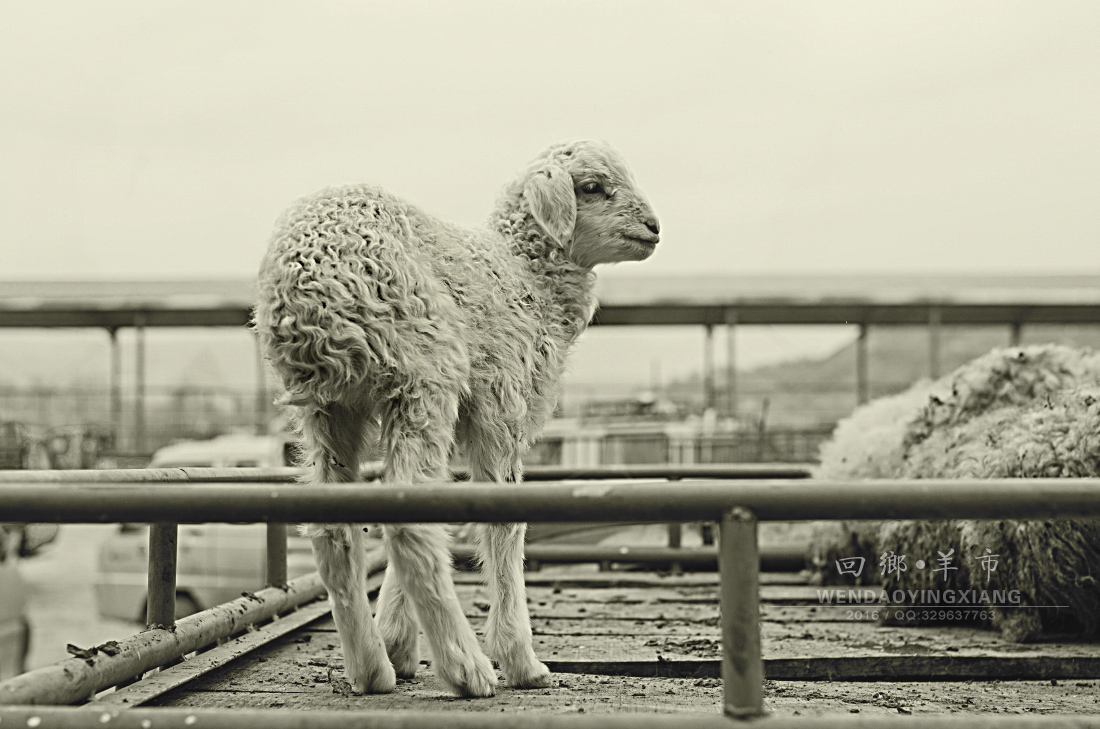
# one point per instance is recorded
(373, 471)
(772, 559)
(76, 679)
(646, 501)
(56, 717)
(223, 495)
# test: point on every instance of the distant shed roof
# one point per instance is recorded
(688, 300)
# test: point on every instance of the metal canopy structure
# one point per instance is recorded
(664, 301)
(707, 301)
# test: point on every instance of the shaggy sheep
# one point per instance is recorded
(378, 315)
(1013, 413)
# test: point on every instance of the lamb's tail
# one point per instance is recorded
(318, 350)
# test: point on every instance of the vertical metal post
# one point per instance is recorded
(675, 533)
(708, 368)
(261, 391)
(276, 555)
(863, 390)
(116, 389)
(935, 320)
(1014, 336)
(161, 611)
(739, 575)
(731, 361)
(139, 385)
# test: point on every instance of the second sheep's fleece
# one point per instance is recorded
(381, 319)
(1029, 412)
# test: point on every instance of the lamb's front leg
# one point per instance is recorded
(508, 629)
(341, 557)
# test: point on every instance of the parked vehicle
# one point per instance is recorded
(33, 537)
(22, 447)
(216, 562)
(15, 632)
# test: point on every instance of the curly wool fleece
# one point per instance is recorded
(1013, 413)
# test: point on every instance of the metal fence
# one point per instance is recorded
(699, 493)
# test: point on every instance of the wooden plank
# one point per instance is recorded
(859, 653)
(659, 637)
(159, 683)
(294, 673)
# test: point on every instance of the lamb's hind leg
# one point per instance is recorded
(508, 628)
(397, 622)
(333, 440)
(418, 431)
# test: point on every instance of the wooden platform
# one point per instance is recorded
(628, 641)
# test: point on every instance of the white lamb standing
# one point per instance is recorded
(375, 313)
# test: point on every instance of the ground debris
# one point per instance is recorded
(88, 654)
(111, 648)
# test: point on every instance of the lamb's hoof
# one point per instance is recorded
(402, 641)
(537, 675)
(383, 680)
(405, 665)
(471, 676)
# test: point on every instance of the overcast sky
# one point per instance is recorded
(159, 139)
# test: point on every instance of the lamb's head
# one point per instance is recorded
(584, 197)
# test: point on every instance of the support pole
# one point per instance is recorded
(139, 385)
(739, 575)
(161, 610)
(116, 389)
(935, 321)
(261, 390)
(675, 537)
(731, 362)
(276, 555)
(1016, 333)
(708, 368)
(862, 386)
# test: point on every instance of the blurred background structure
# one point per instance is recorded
(852, 195)
(892, 331)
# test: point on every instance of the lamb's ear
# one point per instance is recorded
(549, 192)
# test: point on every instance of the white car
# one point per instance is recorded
(215, 562)
(15, 630)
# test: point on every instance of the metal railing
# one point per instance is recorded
(261, 495)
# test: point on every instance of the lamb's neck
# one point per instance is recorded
(566, 290)
(569, 293)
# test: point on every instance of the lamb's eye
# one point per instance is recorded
(592, 188)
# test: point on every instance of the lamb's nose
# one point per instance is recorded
(653, 225)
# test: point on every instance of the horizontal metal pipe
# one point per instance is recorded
(701, 500)
(58, 717)
(772, 559)
(75, 679)
(666, 470)
(154, 475)
(373, 471)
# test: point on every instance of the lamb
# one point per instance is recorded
(384, 321)
(1030, 412)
